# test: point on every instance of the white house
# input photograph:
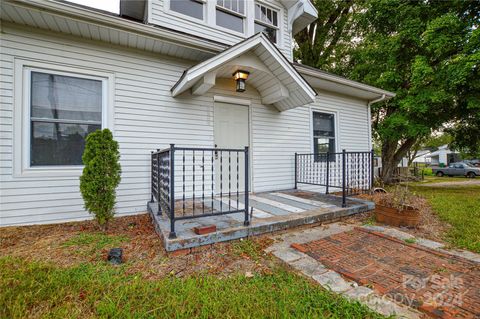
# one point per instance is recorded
(162, 72)
(443, 156)
(423, 157)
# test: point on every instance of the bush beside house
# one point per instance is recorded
(101, 175)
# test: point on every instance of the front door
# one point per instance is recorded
(231, 132)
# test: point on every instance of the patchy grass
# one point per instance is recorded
(33, 289)
(94, 242)
(251, 248)
(459, 206)
(49, 271)
(410, 240)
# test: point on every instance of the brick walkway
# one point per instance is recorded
(440, 285)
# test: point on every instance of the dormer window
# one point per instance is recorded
(230, 14)
(230, 20)
(266, 21)
(192, 8)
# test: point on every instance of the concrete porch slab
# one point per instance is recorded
(272, 211)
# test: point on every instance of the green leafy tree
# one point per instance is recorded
(466, 136)
(101, 175)
(428, 53)
(327, 42)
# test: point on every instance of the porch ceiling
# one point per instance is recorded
(277, 81)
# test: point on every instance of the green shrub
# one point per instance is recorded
(101, 175)
(428, 171)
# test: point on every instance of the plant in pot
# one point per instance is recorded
(398, 208)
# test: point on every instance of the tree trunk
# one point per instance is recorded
(392, 154)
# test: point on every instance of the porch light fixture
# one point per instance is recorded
(240, 77)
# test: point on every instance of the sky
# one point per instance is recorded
(107, 5)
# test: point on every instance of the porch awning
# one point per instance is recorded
(274, 77)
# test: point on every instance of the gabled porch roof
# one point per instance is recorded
(277, 81)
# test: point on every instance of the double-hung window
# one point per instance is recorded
(266, 21)
(323, 132)
(63, 110)
(192, 8)
(230, 14)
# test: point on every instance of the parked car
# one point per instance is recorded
(474, 162)
(457, 169)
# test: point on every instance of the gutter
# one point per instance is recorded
(380, 99)
(310, 71)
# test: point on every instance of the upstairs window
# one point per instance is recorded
(323, 132)
(230, 14)
(64, 109)
(266, 21)
(192, 8)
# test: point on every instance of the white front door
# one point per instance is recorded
(231, 132)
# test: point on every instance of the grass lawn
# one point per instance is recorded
(38, 290)
(59, 271)
(443, 179)
(458, 206)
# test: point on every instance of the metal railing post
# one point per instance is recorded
(328, 172)
(344, 202)
(159, 211)
(172, 192)
(247, 221)
(296, 169)
(372, 169)
(152, 179)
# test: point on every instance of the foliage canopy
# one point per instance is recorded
(427, 52)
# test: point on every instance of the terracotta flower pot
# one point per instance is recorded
(408, 217)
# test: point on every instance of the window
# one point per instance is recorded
(192, 8)
(230, 14)
(266, 21)
(323, 132)
(64, 109)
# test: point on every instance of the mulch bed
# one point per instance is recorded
(142, 247)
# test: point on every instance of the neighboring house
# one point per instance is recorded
(157, 75)
(443, 156)
(422, 157)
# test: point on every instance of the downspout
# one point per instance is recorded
(380, 99)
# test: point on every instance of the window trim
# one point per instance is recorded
(169, 10)
(209, 19)
(22, 116)
(336, 128)
(237, 14)
(266, 24)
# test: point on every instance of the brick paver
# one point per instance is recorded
(440, 285)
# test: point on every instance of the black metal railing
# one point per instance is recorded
(199, 182)
(349, 172)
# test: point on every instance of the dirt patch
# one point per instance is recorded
(431, 227)
(70, 244)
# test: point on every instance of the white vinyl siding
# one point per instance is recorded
(161, 15)
(147, 117)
